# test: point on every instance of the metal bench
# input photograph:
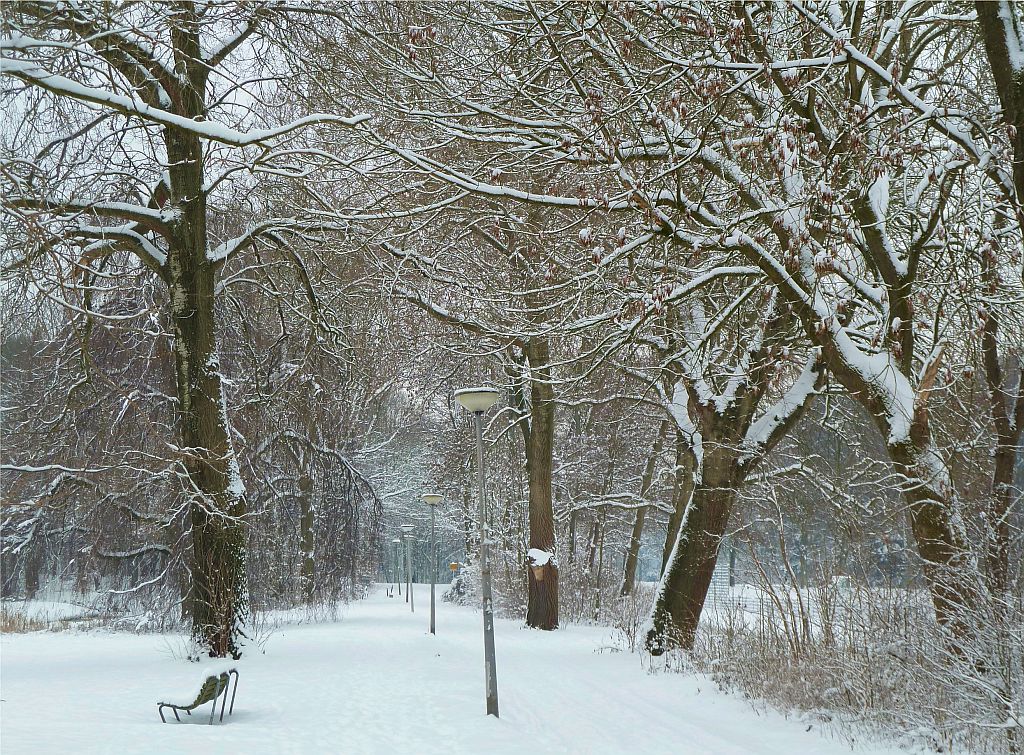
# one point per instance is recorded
(215, 686)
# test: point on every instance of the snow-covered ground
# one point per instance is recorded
(377, 682)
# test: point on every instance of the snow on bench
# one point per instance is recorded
(212, 680)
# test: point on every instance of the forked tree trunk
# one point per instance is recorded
(728, 456)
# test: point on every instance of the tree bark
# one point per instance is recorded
(1007, 412)
(998, 22)
(542, 602)
(33, 567)
(686, 467)
(307, 573)
(948, 564)
(218, 600)
(728, 456)
(685, 584)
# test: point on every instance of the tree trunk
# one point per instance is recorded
(572, 536)
(538, 441)
(33, 567)
(1006, 410)
(686, 466)
(307, 573)
(948, 563)
(218, 599)
(600, 569)
(999, 24)
(998, 554)
(542, 610)
(633, 552)
(684, 586)
(542, 603)
(932, 507)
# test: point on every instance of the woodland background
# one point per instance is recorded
(748, 276)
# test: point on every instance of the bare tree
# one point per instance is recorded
(151, 139)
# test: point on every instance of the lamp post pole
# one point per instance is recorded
(477, 401)
(398, 565)
(407, 537)
(432, 499)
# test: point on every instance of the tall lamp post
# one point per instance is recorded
(477, 401)
(407, 537)
(432, 499)
(398, 564)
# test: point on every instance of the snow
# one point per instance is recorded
(377, 682)
(538, 557)
(679, 409)
(49, 610)
(760, 432)
(878, 196)
(184, 691)
(1014, 40)
(883, 374)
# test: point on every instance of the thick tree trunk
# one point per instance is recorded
(932, 508)
(542, 603)
(633, 552)
(949, 566)
(218, 600)
(684, 586)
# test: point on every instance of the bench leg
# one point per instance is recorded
(160, 710)
(176, 713)
(234, 689)
(224, 699)
(213, 705)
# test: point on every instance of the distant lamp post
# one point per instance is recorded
(398, 564)
(407, 537)
(478, 401)
(432, 499)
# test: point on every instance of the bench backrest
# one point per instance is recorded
(210, 688)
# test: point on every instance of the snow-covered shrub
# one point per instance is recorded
(464, 589)
(885, 667)
(630, 614)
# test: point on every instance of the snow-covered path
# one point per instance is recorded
(376, 682)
